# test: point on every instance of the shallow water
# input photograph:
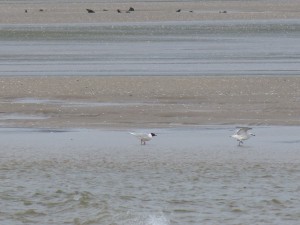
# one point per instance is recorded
(184, 176)
(162, 48)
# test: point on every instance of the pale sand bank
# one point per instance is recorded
(47, 13)
(95, 102)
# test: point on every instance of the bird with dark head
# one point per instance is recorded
(143, 137)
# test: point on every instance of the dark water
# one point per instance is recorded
(163, 48)
(184, 176)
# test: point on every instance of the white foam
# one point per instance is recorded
(157, 220)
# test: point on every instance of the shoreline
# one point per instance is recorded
(148, 102)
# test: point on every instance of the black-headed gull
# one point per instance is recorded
(242, 134)
(143, 136)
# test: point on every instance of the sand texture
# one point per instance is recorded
(47, 13)
(148, 101)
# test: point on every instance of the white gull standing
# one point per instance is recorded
(242, 134)
(143, 137)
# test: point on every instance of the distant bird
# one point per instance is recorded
(179, 10)
(242, 134)
(118, 10)
(90, 11)
(131, 9)
(26, 10)
(143, 137)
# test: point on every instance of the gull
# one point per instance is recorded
(143, 137)
(242, 134)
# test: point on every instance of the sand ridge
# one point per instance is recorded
(135, 101)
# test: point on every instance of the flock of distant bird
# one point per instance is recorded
(241, 134)
(131, 9)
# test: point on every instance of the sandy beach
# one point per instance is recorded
(96, 102)
(73, 85)
(47, 13)
(144, 101)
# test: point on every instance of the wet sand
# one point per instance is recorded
(125, 102)
(183, 176)
(45, 13)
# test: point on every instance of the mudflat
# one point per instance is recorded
(147, 101)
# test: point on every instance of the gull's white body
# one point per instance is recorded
(143, 137)
(242, 134)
